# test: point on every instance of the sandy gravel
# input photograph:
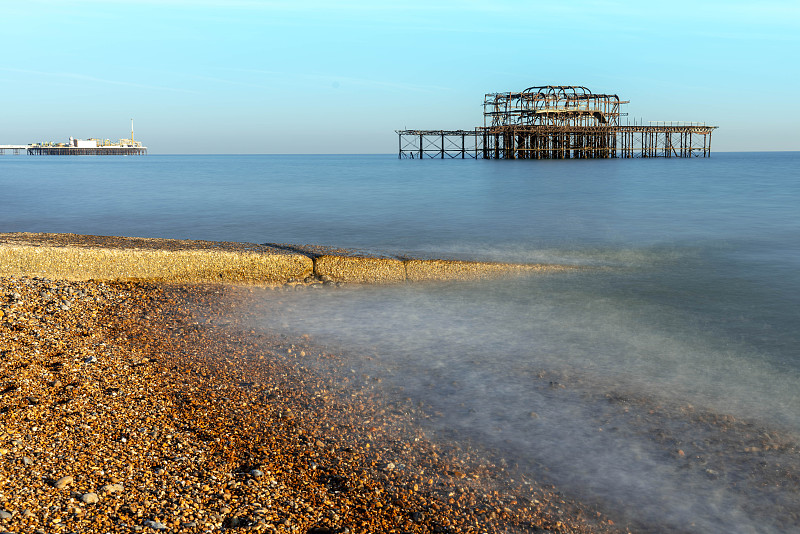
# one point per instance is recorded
(91, 257)
(123, 408)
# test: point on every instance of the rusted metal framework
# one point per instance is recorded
(557, 122)
(443, 144)
(561, 106)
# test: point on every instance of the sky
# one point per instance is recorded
(238, 76)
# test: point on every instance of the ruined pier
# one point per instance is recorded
(557, 122)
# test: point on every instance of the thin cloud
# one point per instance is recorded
(316, 6)
(94, 79)
(366, 82)
(328, 78)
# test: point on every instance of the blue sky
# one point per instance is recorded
(202, 76)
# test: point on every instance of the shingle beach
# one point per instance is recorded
(141, 406)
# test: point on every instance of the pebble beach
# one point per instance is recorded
(144, 407)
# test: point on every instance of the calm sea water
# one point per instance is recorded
(693, 308)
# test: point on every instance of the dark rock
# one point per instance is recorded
(155, 525)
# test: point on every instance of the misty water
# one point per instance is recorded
(659, 381)
(617, 392)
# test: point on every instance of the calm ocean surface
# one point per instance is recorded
(695, 301)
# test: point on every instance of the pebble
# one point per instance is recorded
(256, 473)
(90, 498)
(112, 488)
(5, 514)
(63, 482)
(155, 525)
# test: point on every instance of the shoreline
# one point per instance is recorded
(87, 257)
(134, 405)
(142, 407)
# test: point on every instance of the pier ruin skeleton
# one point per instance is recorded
(557, 122)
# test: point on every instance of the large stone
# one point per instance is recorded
(63, 482)
(90, 498)
(112, 488)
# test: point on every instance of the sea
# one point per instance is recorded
(660, 382)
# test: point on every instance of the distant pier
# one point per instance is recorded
(81, 147)
(38, 150)
(62, 149)
(557, 122)
(14, 149)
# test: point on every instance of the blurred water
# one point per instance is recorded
(723, 231)
(594, 380)
(695, 301)
(380, 201)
